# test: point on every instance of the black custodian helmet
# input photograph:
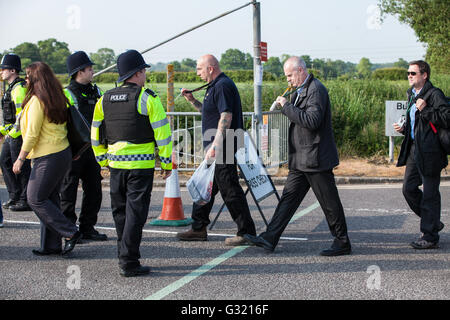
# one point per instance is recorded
(128, 63)
(78, 61)
(11, 61)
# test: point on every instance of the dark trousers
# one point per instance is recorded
(130, 200)
(88, 170)
(427, 203)
(297, 186)
(226, 181)
(15, 184)
(43, 197)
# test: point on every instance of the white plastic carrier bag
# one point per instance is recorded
(201, 183)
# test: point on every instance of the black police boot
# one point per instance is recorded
(8, 203)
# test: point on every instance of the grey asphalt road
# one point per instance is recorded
(382, 266)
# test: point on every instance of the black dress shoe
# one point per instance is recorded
(8, 203)
(70, 244)
(95, 236)
(424, 244)
(134, 272)
(20, 206)
(336, 251)
(40, 252)
(259, 241)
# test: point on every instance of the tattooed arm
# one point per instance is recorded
(223, 125)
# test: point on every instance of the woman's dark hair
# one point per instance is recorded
(423, 67)
(43, 84)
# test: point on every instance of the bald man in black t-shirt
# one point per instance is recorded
(221, 118)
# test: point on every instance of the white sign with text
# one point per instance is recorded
(395, 110)
(253, 170)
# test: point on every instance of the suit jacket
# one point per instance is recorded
(311, 141)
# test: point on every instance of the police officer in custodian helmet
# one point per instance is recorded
(12, 106)
(129, 121)
(83, 95)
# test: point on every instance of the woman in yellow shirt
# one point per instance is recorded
(43, 125)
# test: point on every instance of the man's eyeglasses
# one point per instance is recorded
(412, 73)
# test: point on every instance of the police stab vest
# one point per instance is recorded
(85, 99)
(122, 121)
(8, 106)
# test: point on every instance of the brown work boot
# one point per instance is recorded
(193, 235)
(236, 241)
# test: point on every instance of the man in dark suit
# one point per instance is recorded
(312, 157)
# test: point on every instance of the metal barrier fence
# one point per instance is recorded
(188, 142)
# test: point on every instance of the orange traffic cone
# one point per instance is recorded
(172, 213)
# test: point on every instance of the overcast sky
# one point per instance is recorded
(334, 29)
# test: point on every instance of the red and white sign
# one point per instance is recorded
(263, 46)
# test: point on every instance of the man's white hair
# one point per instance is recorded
(296, 62)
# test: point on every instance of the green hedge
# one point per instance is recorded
(358, 106)
(390, 74)
(107, 77)
(358, 109)
(235, 75)
(161, 77)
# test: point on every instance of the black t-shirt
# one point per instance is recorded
(222, 95)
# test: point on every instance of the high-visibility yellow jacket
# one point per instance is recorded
(18, 92)
(125, 154)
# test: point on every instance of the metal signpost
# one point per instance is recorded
(395, 110)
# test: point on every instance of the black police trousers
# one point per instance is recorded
(427, 203)
(15, 184)
(226, 180)
(88, 170)
(130, 200)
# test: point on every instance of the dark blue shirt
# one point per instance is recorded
(221, 95)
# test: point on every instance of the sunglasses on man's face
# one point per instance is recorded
(412, 73)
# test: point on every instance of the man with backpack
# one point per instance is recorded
(422, 153)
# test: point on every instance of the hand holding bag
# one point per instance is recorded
(201, 183)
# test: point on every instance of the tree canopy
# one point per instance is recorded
(103, 58)
(234, 59)
(364, 68)
(55, 53)
(430, 20)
